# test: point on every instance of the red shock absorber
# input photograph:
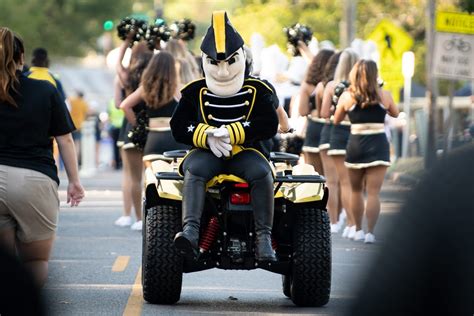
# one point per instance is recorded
(209, 235)
(274, 244)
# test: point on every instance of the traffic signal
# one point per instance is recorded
(108, 25)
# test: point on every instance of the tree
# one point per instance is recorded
(64, 27)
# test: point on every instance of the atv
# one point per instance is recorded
(300, 237)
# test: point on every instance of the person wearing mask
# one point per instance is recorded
(157, 89)
(368, 152)
(340, 133)
(128, 80)
(309, 108)
(225, 116)
(32, 113)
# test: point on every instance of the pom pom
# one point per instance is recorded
(183, 29)
(295, 33)
(156, 33)
(133, 26)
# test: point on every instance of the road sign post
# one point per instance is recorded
(408, 69)
(453, 56)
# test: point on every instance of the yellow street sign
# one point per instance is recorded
(392, 41)
(455, 22)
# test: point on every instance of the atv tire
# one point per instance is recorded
(286, 284)
(162, 265)
(311, 269)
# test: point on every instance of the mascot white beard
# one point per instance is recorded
(225, 77)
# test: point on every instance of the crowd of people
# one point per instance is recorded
(339, 99)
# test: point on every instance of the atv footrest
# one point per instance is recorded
(280, 267)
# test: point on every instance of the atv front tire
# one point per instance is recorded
(286, 285)
(311, 269)
(162, 265)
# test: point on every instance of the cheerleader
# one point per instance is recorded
(309, 108)
(340, 133)
(157, 90)
(367, 154)
(328, 165)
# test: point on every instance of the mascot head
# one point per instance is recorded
(223, 56)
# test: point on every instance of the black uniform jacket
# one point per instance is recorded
(249, 115)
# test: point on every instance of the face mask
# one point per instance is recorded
(225, 77)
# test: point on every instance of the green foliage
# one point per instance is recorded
(467, 5)
(269, 19)
(64, 27)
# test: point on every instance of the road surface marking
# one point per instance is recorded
(120, 263)
(135, 301)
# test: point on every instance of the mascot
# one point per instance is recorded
(225, 117)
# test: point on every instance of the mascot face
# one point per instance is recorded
(225, 77)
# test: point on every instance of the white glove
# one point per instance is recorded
(221, 132)
(218, 146)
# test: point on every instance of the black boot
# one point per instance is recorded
(262, 204)
(194, 193)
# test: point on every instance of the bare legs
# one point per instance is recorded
(344, 186)
(331, 181)
(132, 181)
(34, 255)
(314, 159)
(374, 177)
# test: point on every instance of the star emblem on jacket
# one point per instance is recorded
(191, 128)
(246, 124)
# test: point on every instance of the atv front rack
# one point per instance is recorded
(279, 178)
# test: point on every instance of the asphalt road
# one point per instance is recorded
(95, 267)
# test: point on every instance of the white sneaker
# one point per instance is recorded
(123, 221)
(369, 238)
(352, 232)
(334, 228)
(342, 218)
(359, 235)
(137, 225)
(345, 233)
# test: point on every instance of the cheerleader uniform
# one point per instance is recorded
(339, 135)
(325, 135)
(313, 130)
(368, 145)
(160, 139)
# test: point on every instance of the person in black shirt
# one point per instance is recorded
(158, 90)
(32, 113)
(225, 117)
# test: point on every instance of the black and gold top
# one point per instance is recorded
(249, 115)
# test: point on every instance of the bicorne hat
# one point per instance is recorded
(221, 39)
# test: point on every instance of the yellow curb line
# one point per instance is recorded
(135, 300)
(120, 263)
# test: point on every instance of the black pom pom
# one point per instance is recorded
(183, 29)
(156, 33)
(295, 33)
(131, 25)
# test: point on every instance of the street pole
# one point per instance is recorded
(408, 69)
(158, 7)
(347, 25)
(449, 126)
(430, 154)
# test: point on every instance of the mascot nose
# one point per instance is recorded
(223, 69)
